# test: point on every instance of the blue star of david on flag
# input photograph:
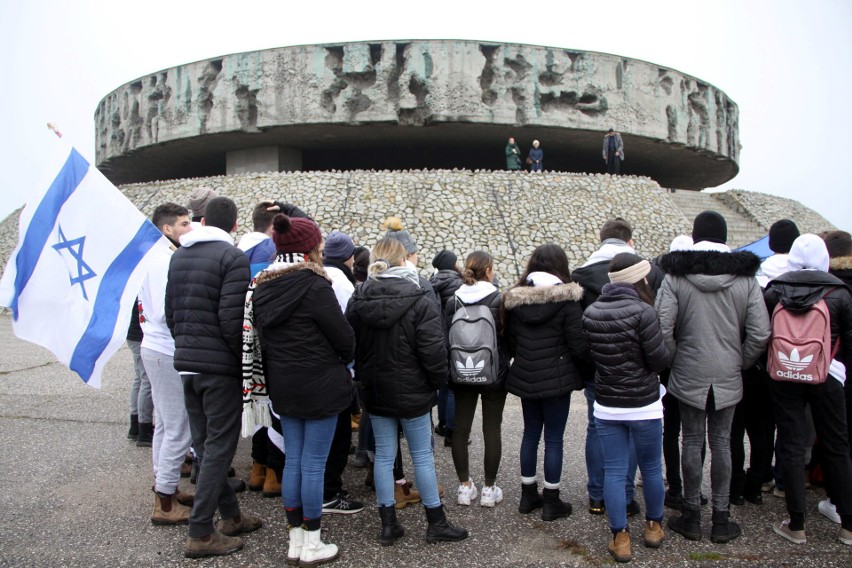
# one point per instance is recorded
(75, 249)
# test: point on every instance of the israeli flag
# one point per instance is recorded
(73, 277)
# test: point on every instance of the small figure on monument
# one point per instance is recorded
(513, 156)
(535, 158)
(613, 152)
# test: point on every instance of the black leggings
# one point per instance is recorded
(492, 420)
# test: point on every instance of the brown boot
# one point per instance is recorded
(258, 477)
(184, 498)
(619, 547)
(405, 494)
(167, 511)
(654, 534)
(211, 545)
(238, 525)
(272, 483)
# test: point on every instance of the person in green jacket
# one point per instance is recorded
(513, 156)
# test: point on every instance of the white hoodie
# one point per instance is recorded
(152, 303)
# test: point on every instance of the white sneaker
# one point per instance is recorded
(491, 496)
(825, 508)
(467, 493)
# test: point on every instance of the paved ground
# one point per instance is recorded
(75, 492)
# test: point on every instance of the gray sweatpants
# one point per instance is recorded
(171, 433)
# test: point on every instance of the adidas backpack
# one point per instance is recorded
(800, 347)
(474, 359)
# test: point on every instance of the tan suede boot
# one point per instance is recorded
(238, 525)
(654, 534)
(211, 545)
(405, 494)
(167, 511)
(185, 498)
(258, 477)
(272, 483)
(619, 547)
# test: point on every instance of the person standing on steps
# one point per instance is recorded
(513, 156)
(544, 334)
(535, 159)
(613, 152)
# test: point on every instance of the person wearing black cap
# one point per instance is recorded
(613, 152)
(445, 282)
(715, 323)
(781, 236)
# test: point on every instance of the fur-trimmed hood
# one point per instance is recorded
(281, 287)
(840, 263)
(710, 271)
(532, 295)
(279, 269)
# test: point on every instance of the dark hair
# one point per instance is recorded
(625, 260)
(221, 212)
(360, 263)
(475, 266)
(838, 243)
(548, 258)
(167, 214)
(261, 218)
(617, 228)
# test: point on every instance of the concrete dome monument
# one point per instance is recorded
(415, 104)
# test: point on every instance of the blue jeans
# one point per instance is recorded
(549, 414)
(418, 434)
(648, 438)
(595, 456)
(307, 443)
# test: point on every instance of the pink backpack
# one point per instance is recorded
(800, 347)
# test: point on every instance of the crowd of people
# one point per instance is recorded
(296, 340)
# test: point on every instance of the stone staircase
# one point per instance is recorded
(741, 228)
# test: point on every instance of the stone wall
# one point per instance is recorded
(766, 209)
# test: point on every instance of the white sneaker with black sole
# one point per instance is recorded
(491, 496)
(342, 505)
(467, 493)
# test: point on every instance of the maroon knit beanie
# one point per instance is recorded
(295, 234)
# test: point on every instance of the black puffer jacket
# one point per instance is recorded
(544, 333)
(445, 283)
(480, 295)
(627, 346)
(798, 291)
(205, 296)
(400, 357)
(305, 340)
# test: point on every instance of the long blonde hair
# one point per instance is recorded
(387, 253)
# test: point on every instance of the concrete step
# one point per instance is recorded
(741, 229)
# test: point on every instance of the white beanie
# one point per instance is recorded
(808, 253)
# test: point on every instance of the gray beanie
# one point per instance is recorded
(396, 231)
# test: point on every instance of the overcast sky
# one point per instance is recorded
(786, 63)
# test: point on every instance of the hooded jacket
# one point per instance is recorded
(841, 267)
(401, 357)
(305, 340)
(714, 323)
(484, 294)
(544, 334)
(798, 291)
(627, 346)
(205, 294)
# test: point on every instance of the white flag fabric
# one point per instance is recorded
(73, 277)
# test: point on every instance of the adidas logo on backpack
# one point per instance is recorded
(800, 348)
(473, 346)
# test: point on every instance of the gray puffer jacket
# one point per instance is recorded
(714, 323)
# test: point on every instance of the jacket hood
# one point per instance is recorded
(772, 267)
(280, 289)
(550, 296)
(445, 279)
(801, 289)
(808, 253)
(608, 250)
(250, 240)
(205, 234)
(380, 303)
(472, 293)
(710, 271)
(840, 263)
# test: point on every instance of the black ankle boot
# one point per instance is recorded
(146, 435)
(440, 528)
(554, 507)
(724, 529)
(391, 529)
(530, 498)
(688, 524)
(134, 427)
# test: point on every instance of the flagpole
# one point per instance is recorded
(55, 130)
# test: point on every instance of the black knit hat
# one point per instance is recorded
(781, 236)
(710, 226)
(445, 260)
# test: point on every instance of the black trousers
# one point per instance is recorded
(828, 408)
(753, 417)
(613, 164)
